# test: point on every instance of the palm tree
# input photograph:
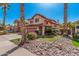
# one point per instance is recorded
(65, 18)
(5, 6)
(22, 24)
(70, 25)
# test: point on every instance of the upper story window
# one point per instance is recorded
(36, 20)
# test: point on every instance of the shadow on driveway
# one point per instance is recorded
(10, 51)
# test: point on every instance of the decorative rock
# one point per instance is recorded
(61, 47)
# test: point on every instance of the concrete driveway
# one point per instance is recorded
(6, 45)
(9, 37)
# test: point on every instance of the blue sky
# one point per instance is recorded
(52, 11)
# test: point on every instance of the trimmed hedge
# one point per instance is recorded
(76, 37)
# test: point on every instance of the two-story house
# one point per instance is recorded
(38, 23)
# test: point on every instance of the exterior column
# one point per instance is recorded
(43, 30)
(26, 30)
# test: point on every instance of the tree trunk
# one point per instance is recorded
(4, 15)
(22, 24)
(65, 18)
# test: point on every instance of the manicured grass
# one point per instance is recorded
(50, 39)
(75, 43)
(46, 39)
(16, 41)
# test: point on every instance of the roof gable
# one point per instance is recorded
(43, 17)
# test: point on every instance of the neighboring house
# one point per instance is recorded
(38, 23)
(17, 26)
(8, 27)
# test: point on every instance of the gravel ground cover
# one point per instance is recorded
(61, 47)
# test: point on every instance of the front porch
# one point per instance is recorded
(40, 29)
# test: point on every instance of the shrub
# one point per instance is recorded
(2, 32)
(48, 30)
(55, 32)
(31, 35)
(11, 31)
(76, 37)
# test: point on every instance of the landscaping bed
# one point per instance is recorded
(44, 39)
(49, 38)
(60, 47)
(16, 41)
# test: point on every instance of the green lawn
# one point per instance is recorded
(46, 39)
(75, 43)
(16, 41)
(50, 39)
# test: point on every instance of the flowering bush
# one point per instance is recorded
(31, 35)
